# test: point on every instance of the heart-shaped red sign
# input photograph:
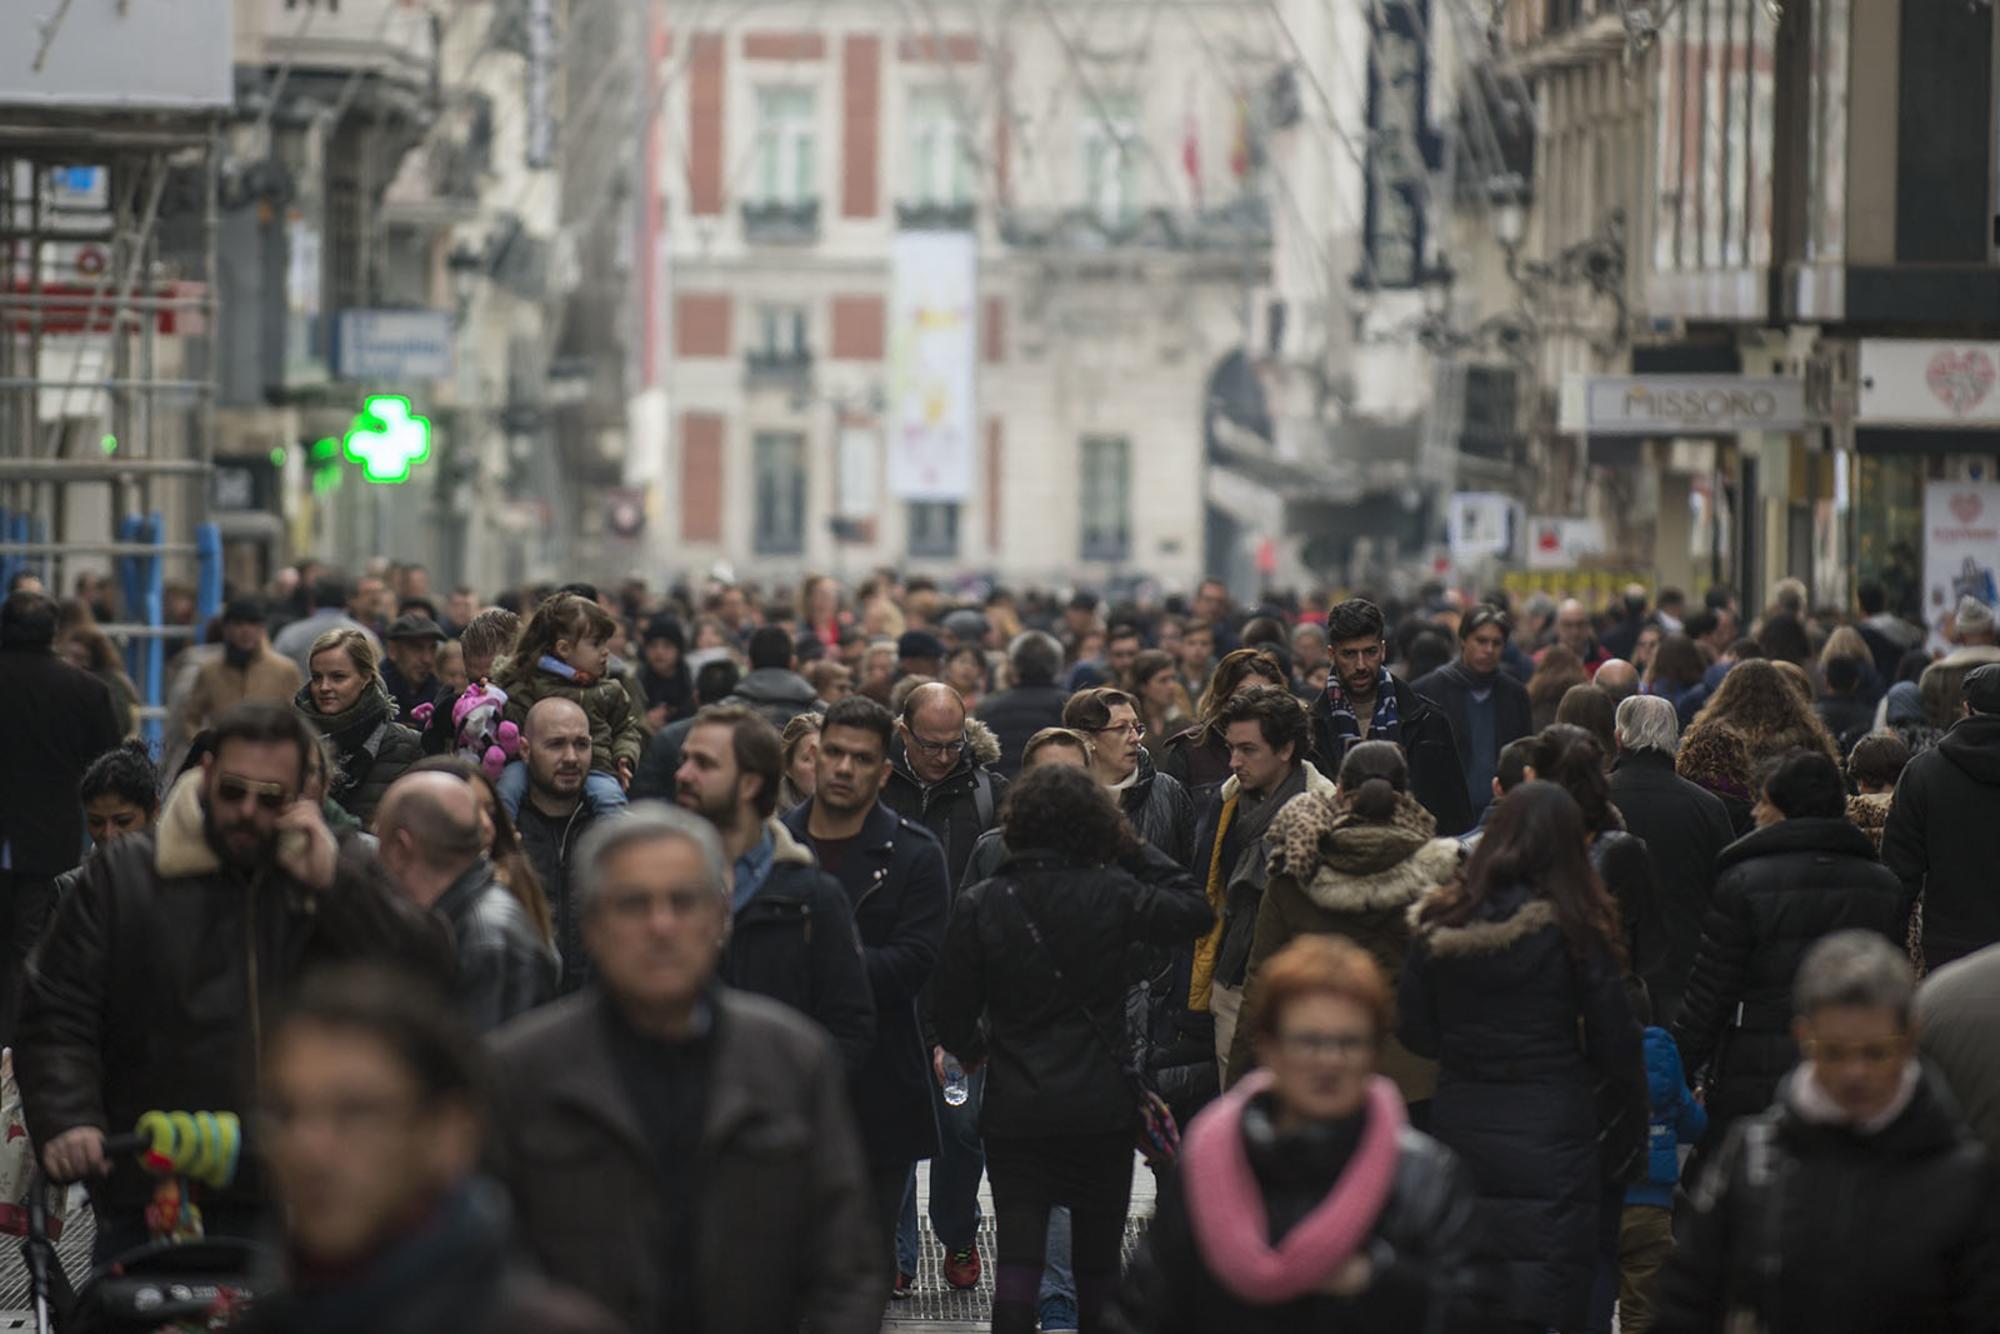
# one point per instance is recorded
(1960, 380)
(1965, 506)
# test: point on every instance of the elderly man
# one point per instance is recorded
(555, 747)
(1684, 826)
(1575, 633)
(432, 844)
(681, 1151)
(1618, 679)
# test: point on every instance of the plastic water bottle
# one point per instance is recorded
(956, 1088)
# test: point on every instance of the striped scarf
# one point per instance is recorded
(1384, 725)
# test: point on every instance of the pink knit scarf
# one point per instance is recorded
(1231, 1227)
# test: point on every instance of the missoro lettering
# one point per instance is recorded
(1700, 404)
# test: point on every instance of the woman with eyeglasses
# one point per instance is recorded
(1513, 984)
(345, 699)
(1858, 1202)
(1304, 1202)
(1803, 873)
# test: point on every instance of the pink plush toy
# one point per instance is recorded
(483, 737)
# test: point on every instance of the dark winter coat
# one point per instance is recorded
(1685, 828)
(617, 725)
(1333, 873)
(1418, 1246)
(1429, 744)
(1161, 810)
(1450, 687)
(1778, 890)
(1536, 1049)
(778, 693)
(1622, 863)
(997, 996)
(57, 720)
(158, 974)
(957, 809)
(504, 969)
(407, 694)
(372, 748)
(895, 879)
(794, 941)
(783, 1224)
(1197, 759)
(1817, 1229)
(1943, 838)
(549, 841)
(1016, 715)
(1847, 717)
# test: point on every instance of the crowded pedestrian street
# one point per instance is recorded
(999, 667)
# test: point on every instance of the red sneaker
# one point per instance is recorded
(961, 1268)
(905, 1286)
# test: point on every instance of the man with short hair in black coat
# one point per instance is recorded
(1488, 707)
(941, 773)
(58, 719)
(1364, 702)
(1035, 700)
(1684, 826)
(1943, 835)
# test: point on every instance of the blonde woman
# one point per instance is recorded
(344, 698)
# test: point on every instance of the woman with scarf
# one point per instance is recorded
(1352, 865)
(345, 699)
(1304, 1200)
(1198, 758)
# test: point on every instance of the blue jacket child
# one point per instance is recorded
(1677, 1119)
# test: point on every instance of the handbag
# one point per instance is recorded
(1159, 1135)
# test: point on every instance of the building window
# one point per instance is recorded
(938, 169)
(1106, 498)
(1111, 157)
(781, 333)
(787, 167)
(934, 528)
(779, 460)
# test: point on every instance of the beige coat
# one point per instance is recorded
(219, 687)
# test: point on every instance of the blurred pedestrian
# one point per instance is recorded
(1976, 643)
(1488, 707)
(1677, 1120)
(1942, 837)
(1758, 703)
(1198, 758)
(800, 741)
(1556, 671)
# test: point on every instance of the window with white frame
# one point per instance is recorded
(937, 167)
(781, 331)
(778, 463)
(787, 147)
(1105, 499)
(1111, 148)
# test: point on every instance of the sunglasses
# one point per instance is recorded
(271, 796)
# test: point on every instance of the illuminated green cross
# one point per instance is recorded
(387, 439)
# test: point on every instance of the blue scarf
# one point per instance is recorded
(1384, 725)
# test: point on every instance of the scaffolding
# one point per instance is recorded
(108, 227)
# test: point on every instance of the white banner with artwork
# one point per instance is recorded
(1961, 548)
(933, 351)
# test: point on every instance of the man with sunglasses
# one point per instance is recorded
(158, 974)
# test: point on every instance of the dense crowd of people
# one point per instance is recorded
(594, 959)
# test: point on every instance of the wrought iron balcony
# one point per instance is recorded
(775, 222)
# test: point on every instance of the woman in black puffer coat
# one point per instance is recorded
(1513, 983)
(1804, 873)
(345, 699)
(1031, 981)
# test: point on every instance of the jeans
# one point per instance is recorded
(955, 1174)
(601, 790)
(1058, 1296)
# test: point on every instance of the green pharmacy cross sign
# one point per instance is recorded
(387, 439)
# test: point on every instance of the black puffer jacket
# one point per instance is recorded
(958, 809)
(1943, 838)
(1418, 1247)
(1161, 810)
(996, 997)
(374, 749)
(1536, 1049)
(1817, 1229)
(504, 969)
(1777, 891)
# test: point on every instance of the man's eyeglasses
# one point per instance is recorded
(1878, 1053)
(941, 749)
(1138, 730)
(271, 796)
(1326, 1044)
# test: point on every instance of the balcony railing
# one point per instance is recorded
(1240, 224)
(775, 222)
(788, 369)
(934, 216)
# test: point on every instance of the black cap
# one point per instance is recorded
(667, 627)
(1982, 688)
(243, 610)
(408, 626)
(919, 644)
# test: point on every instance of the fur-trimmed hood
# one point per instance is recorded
(1344, 863)
(786, 850)
(982, 750)
(1485, 936)
(180, 842)
(1433, 863)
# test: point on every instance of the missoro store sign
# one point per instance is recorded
(1681, 405)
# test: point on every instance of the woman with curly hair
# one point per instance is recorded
(1717, 761)
(1031, 982)
(1761, 704)
(1558, 670)
(1199, 756)
(1513, 983)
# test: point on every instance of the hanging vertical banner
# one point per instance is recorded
(1961, 546)
(1403, 148)
(933, 352)
(541, 128)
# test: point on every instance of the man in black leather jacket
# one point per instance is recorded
(432, 845)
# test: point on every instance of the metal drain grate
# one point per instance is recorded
(935, 1302)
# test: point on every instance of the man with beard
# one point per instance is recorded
(555, 748)
(155, 979)
(791, 934)
(893, 872)
(249, 668)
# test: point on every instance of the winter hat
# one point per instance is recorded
(919, 644)
(666, 627)
(412, 626)
(1982, 688)
(967, 626)
(1973, 616)
(1905, 704)
(243, 611)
